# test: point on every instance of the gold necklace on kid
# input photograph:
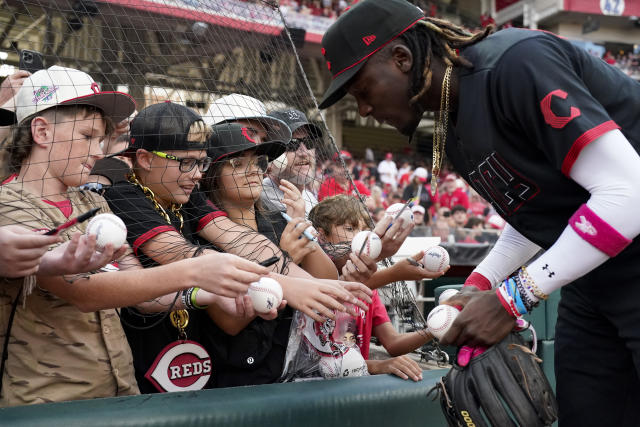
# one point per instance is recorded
(175, 209)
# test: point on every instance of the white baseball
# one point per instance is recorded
(446, 294)
(407, 215)
(265, 294)
(373, 247)
(279, 164)
(351, 364)
(436, 259)
(108, 228)
(440, 320)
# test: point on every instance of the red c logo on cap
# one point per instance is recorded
(245, 133)
(556, 122)
(95, 88)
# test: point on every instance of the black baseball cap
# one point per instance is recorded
(357, 34)
(296, 119)
(230, 139)
(164, 126)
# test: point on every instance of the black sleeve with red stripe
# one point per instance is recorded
(137, 212)
(539, 92)
(199, 211)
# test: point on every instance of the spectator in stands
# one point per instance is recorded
(338, 219)
(54, 146)
(460, 217)
(478, 206)
(299, 167)
(475, 231)
(339, 183)
(422, 222)
(8, 90)
(453, 195)
(420, 179)
(388, 171)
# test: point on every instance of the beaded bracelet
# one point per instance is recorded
(528, 301)
(528, 282)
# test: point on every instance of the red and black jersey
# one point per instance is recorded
(528, 107)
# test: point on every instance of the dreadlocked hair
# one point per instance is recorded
(432, 36)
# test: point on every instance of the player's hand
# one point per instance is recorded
(359, 268)
(482, 322)
(294, 242)
(392, 237)
(404, 270)
(292, 199)
(22, 250)
(401, 366)
(227, 275)
(12, 84)
(79, 255)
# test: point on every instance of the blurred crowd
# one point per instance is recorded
(628, 62)
(454, 212)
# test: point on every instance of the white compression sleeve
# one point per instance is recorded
(511, 251)
(609, 168)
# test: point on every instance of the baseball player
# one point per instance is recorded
(549, 136)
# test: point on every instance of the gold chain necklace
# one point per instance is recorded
(440, 129)
(175, 209)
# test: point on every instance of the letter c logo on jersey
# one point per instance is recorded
(557, 122)
(180, 366)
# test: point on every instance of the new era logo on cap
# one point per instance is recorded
(369, 39)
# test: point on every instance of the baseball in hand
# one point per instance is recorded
(446, 294)
(407, 214)
(373, 247)
(440, 320)
(108, 228)
(436, 259)
(265, 294)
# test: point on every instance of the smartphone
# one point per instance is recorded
(31, 61)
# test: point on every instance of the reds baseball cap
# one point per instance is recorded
(164, 126)
(359, 33)
(237, 107)
(296, 119)
(57, 85)
(230, 139)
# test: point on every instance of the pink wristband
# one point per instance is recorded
(479, 281)
(597, 232)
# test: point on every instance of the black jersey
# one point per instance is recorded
(528, 107)
(148, 334)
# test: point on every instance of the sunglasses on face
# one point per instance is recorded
(187, 163)
(247, 162)
(309, 143)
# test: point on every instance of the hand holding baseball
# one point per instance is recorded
(22, 250)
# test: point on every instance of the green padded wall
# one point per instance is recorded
(377, 400)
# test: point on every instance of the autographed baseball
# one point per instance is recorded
(108, 228)
(440, 320)
(351, 364)
(436, 259)
(265, 294)
(446, 294)
(373, 247)
(407, 214)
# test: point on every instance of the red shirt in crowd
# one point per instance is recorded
(458, 197)
(367, 320)
(331, 188)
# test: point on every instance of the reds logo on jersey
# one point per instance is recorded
(500, 184)
(553, 120)
(180, 366)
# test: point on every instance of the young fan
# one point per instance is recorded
(61, 117)
(338, 219)
(234, 183)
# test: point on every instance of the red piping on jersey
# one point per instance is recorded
(65, 206)
(10, 178)
(583, 140)
(149, 235)
(205, 220)
(365, 57)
